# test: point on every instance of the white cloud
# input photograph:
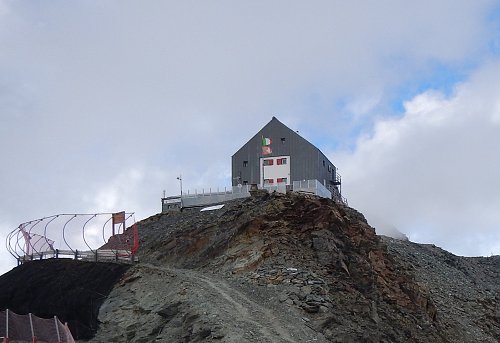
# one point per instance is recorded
(117, 192)
(4, 8)
(103, 104)
(433, 173)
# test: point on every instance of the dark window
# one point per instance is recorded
(268, 181)
(245, 163)
(283, 139)
(329, 168)
(268, 162)
(280, 161)
(245, 182)
(323, 163)
(281, 180)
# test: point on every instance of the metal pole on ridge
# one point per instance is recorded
(57, 329)
(7, 325)
(31, 326)
(67, 332)
(180, 181)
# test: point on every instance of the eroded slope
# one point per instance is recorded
(323, 259)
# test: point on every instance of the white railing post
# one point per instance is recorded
(7, 323)
(57, 329)
(32, 330)
(67, 332)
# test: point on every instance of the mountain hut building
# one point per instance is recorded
(278, 156)
(276, 159)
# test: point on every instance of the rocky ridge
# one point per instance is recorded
(295, 268)
(319, 259)
(465, 290)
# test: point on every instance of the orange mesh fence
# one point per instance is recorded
(29, 328)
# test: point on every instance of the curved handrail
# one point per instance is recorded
(64, 231)
(32, 240)
(28, 242)
(83, 231)
(45, 229)
(17, 240)
(8, 246)
(103, 228)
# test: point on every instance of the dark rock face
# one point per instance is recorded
(71, 290)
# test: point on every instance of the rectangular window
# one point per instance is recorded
(268, 162)
(329, 168)
(283, 139)
(245, 182)
(281, 161)
(245, 163)
(268, 181)
(282, 180)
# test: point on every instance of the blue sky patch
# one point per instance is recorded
(438, 77)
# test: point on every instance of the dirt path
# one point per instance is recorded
(250, 311)
(247, 319)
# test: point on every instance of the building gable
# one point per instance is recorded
(274, 140)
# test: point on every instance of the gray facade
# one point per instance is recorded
(306, 162)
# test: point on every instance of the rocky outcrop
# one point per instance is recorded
(162, 304)
(465, 290)
(328, 260)
(288, 268)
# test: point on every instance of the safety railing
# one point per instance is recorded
(280, 187)
(312, 187)
(197, 199)
(97, 236)
(194, 199)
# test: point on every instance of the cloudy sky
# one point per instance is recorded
(104, 103)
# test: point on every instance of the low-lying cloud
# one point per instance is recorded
(434, 172)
